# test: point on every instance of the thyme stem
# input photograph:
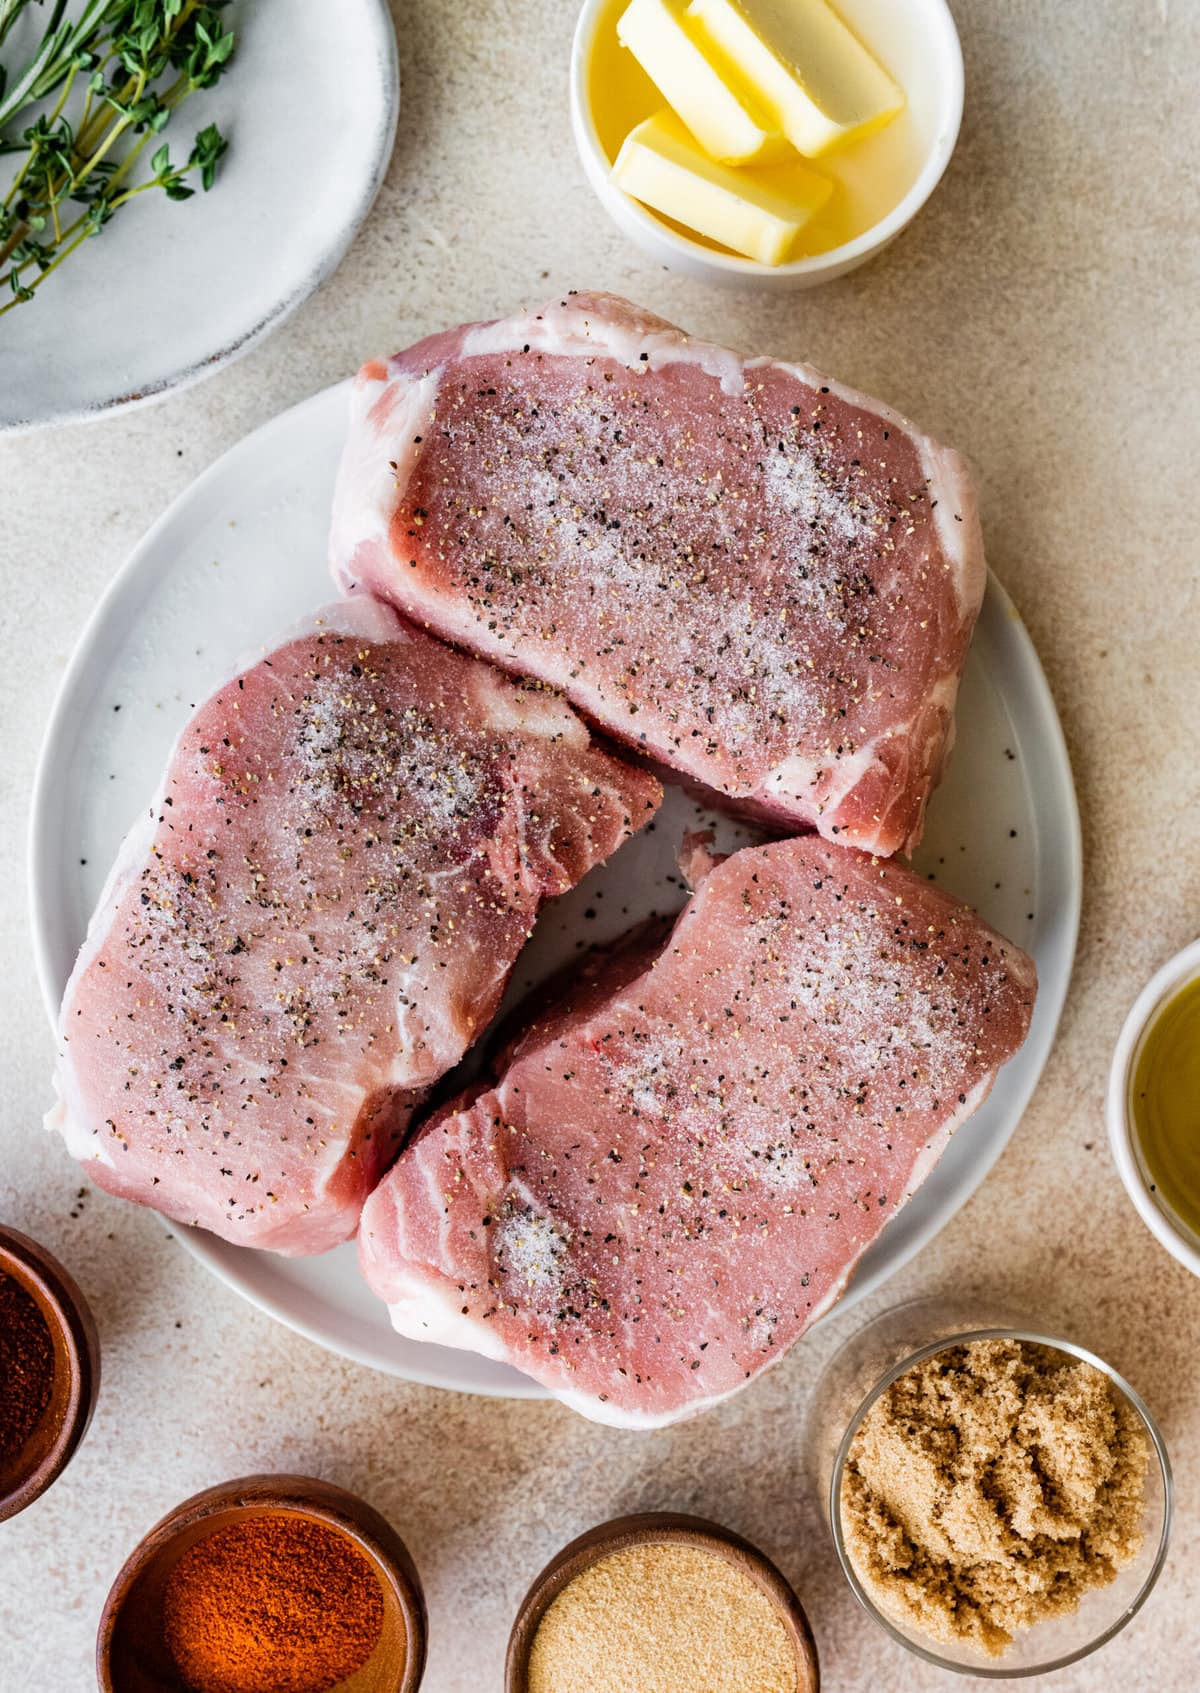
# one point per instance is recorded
(124, 48)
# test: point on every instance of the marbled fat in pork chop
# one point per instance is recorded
(764, 580)
(314, 920)
(682, 1161)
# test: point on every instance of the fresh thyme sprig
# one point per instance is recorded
(119, 69)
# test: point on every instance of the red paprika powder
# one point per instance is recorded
(275, 1603)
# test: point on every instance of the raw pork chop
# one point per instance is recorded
(315, 919)
(761, 578)
(684, 1159)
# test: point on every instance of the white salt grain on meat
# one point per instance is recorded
(759, 578)
(680, 1162)
(315, 919)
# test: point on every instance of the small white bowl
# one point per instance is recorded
(915, 39)
(1179, 1240)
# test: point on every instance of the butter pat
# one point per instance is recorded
(669, 48)
(802, 66)
(757, 210)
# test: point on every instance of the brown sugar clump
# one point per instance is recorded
(991, 1487)
(662, 1618)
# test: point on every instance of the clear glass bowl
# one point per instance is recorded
(865, 1367)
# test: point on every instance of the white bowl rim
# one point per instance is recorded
(836, 258)
(1174, 974)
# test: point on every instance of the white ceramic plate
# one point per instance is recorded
(238, 558)
(170, 292)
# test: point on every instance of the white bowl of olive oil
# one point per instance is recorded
(1154, 1105)
(881, 181)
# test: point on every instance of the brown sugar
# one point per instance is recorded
(662, 1618)
(991, 1487)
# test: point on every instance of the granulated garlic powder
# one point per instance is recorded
(991, 1487)
(662, 1618)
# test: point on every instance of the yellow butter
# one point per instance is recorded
(671, 51)
(757, 210)
(800, 64)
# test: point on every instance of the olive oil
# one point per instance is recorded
(870, 175)
(1164, 1103)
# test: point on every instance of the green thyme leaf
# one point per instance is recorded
(78, 109)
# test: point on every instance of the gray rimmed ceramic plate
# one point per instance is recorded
(167, 294)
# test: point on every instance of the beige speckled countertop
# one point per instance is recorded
(1041, 315)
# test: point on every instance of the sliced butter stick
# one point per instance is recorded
(757, 210)
(802, 65)
(670, 50)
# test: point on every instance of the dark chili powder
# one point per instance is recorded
(273, 1604)
(26, 1367)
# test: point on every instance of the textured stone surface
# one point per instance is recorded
(1040, 316)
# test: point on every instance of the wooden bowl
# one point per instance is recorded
(650, 1529)
(28, 1473)
(132, 1655)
